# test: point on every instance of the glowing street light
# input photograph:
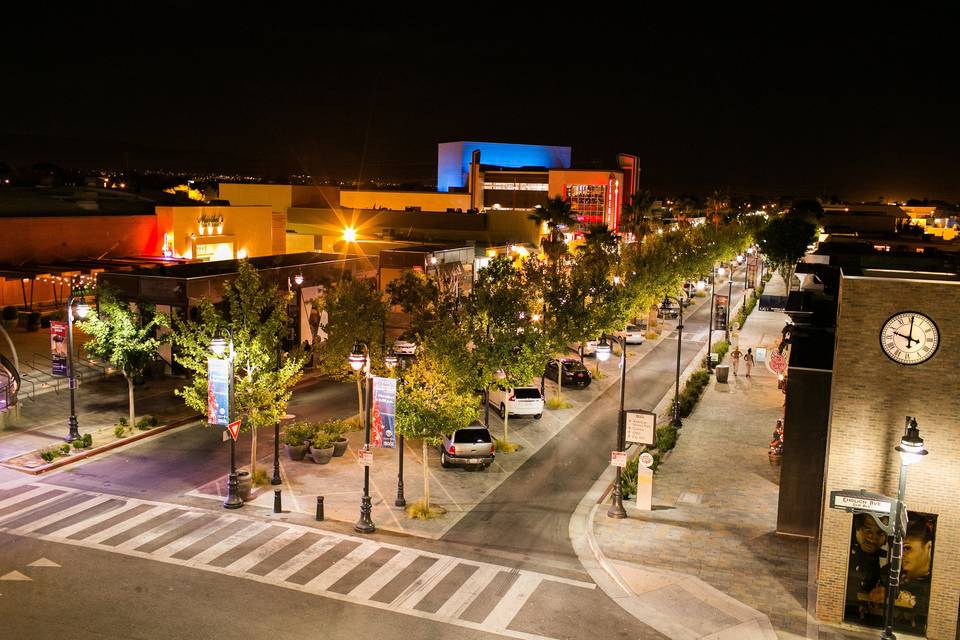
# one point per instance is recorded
(350, 234)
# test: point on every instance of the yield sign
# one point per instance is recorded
(234, 429)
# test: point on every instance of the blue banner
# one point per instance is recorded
(219, 380)
(383, 431)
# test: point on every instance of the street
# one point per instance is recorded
(132, 548)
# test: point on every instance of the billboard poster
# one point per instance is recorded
(219, 379)
(383, 417)
(720, 312)
(58, 347)
(752, 264)
(868, 572)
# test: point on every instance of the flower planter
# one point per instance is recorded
(245, 484)
(321, 456)
(297, 452)
(339, 447)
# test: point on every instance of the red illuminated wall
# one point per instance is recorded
(48, 240)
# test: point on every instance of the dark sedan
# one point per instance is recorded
(574, 373)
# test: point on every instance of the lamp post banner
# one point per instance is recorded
(219, 379)
(752, 263)
(383, 432)
(58, 347)
(720, 312)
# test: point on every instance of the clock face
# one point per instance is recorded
(909, 338)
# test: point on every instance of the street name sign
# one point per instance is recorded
(618, 459)
(850, 500)
(641, 426)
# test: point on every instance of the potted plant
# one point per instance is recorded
(33, 321)
(244, 484)
(9, 316)
(321, 447)
(296, 440)
(337, 429)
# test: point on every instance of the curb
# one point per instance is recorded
(89, 453)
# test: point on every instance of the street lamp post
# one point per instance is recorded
(360, 359)
(911, 451)
(729, 302)
(616, 509)
(392, 361)
(676, 422)
(276, 434)
(218, 346)
(82, 310)
(713, 287)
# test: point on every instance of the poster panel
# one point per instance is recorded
(383, 417)
(58, 347)
(219, 379)
(720, 312)
(752, 264)
(868, 572)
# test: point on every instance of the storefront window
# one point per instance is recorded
(868, 571)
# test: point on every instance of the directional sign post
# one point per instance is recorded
(641, 426)
(861, 501)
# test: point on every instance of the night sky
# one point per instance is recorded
(855, 105)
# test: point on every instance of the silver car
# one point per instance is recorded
(469, 447)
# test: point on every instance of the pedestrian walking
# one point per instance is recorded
(736, 359)
(748, 361)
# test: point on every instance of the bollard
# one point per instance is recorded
(276, 501)
(319, 507)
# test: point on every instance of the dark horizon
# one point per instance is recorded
(800, 107)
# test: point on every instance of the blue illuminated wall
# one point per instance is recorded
(453, 159)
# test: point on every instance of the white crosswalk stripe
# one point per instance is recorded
(243, 538)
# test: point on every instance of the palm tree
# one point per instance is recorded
(718, 204)
(557, 215)
(638, 215)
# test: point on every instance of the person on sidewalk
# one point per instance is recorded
(736, 359)
(748, 361)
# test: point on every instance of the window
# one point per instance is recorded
(588, 200)
(527, 393)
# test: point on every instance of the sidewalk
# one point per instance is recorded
(708, 553)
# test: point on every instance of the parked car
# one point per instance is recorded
(589, 347)
(574, 373)
(519, 401)
(634, 333)
(471, 446)
(670, 313)
(403, 347)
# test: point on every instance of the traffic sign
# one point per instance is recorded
(618, 458)
(850, 500)
(234, 429)
(365, 458)
(646, 459)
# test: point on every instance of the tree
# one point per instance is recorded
(356, 312)
(418, 296)
(125, 335)
(558, 215)
(784, 241)
(638, 215)
(434, 397)
(256, 314)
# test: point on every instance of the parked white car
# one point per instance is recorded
(634, 333)
(519, 401)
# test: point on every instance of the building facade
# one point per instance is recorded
(870, 397)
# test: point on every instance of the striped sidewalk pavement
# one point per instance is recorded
(444, 588)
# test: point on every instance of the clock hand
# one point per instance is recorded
(911, 338)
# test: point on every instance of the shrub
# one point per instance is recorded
(557, 403)
(77, 444)
(692, 391)
(335, 428)
(65, 449)
(666, 438)
(49, 454)
(9, 312)
(503, 446)
(153, 420)
(143, 424)
(419, 510)
(322, 440)
(119, 430)
(260, 478)
(87, 441)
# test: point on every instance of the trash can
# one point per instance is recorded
(722, 372)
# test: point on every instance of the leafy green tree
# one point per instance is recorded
(356, 312)
(433, 398)
(638, 217)
(784, 241)
(256, 314)
(418, 296)
(126, 336)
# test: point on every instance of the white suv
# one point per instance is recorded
(589, 347)
(519, 401)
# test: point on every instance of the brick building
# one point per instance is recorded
(870, 396)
